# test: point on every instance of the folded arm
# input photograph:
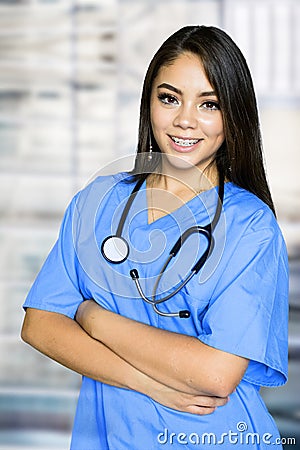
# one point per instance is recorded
(63, 340)
(179, 361)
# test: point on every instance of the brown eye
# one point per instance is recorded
(210, 106)
(168, 99)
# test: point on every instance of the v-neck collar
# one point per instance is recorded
(199, 210)
(204, 202)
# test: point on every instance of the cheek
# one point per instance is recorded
(159, 120)
(212, 126)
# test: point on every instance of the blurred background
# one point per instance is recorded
(70, 81)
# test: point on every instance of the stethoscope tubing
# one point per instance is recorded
(206, 231)
(128, 205)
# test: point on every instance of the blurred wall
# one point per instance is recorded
(70, 82)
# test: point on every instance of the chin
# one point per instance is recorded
(180, 162)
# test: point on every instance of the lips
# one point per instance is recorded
(183, 143)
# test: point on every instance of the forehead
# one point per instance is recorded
(185, 72)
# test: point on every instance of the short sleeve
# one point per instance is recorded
(248, 314)
(56, 287)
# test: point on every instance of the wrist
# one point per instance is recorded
(142, 383)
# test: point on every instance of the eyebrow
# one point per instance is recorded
(178, 91)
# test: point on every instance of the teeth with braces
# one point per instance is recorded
(185, 142)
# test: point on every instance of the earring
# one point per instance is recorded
(230, 165)
(150, 149)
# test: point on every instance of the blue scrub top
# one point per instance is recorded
(238, 304)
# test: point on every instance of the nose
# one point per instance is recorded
(186, 117)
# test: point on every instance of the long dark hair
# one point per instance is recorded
(240, 158)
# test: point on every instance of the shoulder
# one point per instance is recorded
(249, 221)
(247, 210)
(102, 188)
(103, 182)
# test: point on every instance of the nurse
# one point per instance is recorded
(157, 380)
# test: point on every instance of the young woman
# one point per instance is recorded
(184, 366)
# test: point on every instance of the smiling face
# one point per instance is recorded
(186, 119)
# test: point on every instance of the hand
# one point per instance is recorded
(181, 401)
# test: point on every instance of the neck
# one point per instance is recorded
(191, 180)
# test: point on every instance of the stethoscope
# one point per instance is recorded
(115, 250)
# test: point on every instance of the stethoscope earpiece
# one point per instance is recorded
(115, 249)
(134, 274)
(184, 314)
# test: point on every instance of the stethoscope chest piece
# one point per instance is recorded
(115, 249)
